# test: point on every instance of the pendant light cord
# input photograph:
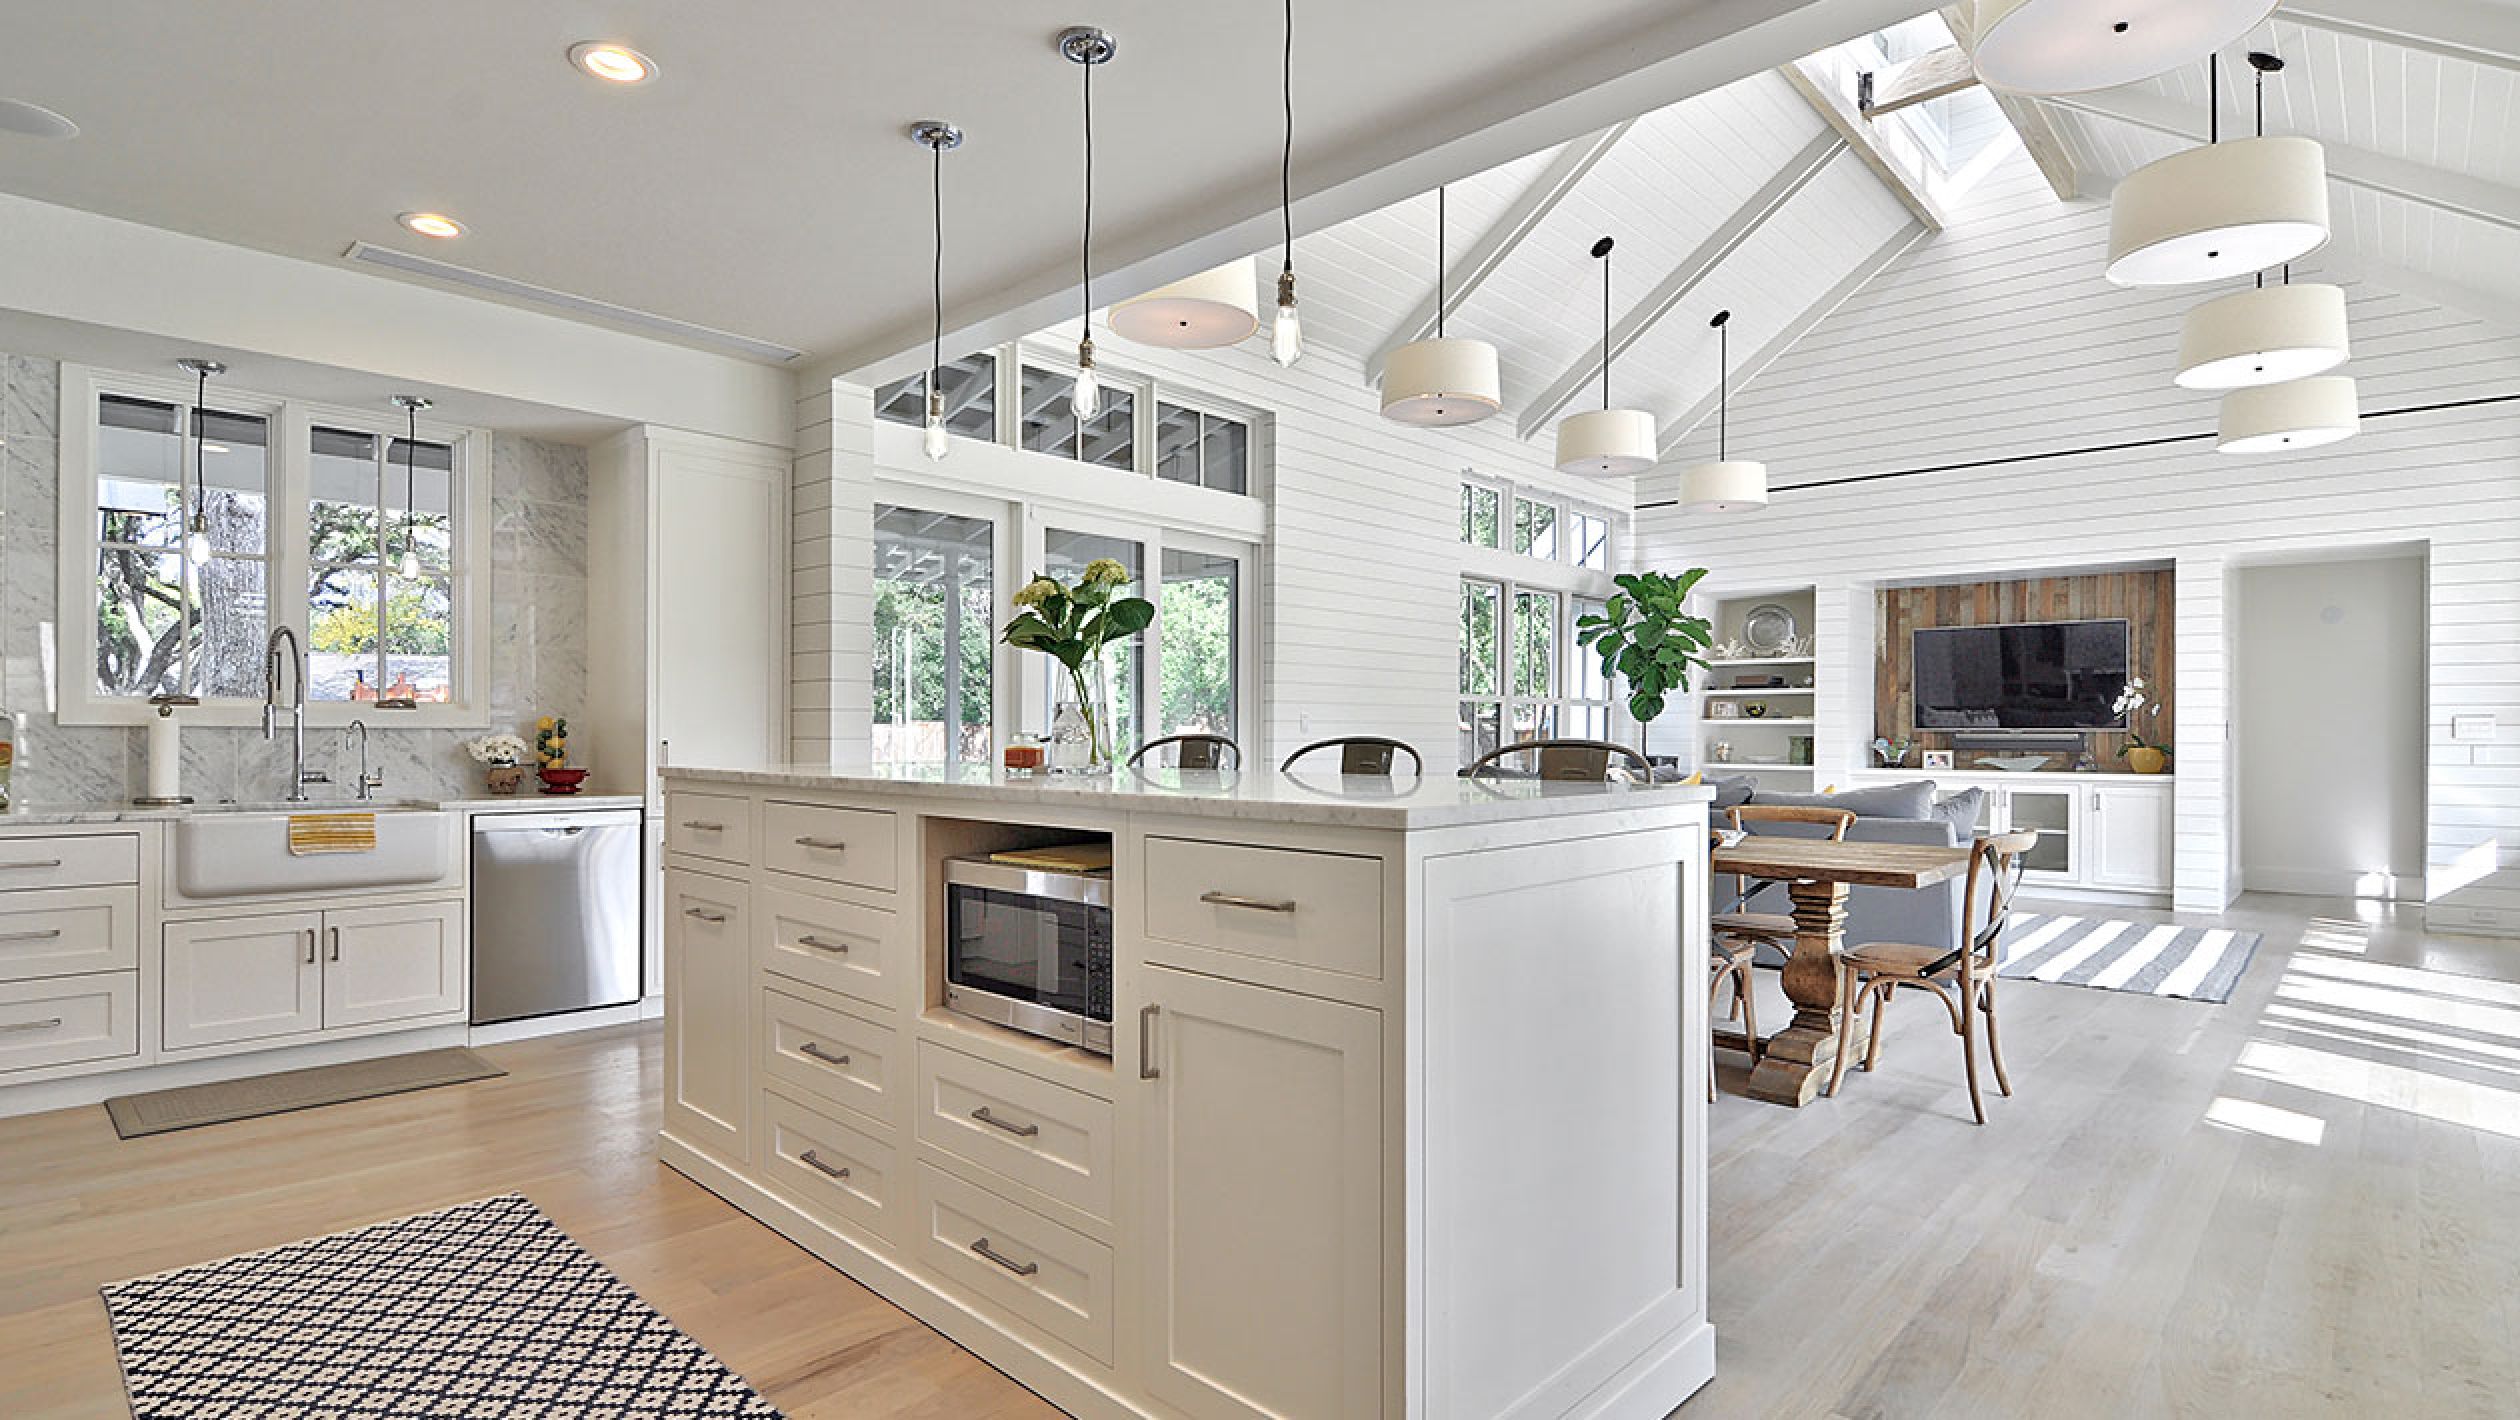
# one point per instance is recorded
(2261, 132)
(1286, 153)
(1441, 297)
(1723, 392)
(1085, 249)
(201, 473)
(2213, 98)
(1605, 330)
(411, 483)
(936, 278)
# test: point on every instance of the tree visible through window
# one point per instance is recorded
(159, 631)
(1198, 608)
(935, 609)
(372, 632)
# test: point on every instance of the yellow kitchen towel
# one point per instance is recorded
(331, 833)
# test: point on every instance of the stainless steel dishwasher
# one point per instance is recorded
(555, 912)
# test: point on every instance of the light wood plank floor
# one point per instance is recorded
(2305, 1203)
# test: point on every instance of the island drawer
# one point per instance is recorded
(1318, 910)
(69, 1019)
(72, 861)
(851, 846)
(838, 1058)
(1055, 1279)
(838, 1171)
(839, 946)
(1044, 1136)
(69, 931)
(715, 826)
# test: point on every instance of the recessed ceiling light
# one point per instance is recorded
(34, 121)
(431, 224)
(612, 63)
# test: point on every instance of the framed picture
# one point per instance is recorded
(1723, 709)
(1938, 759)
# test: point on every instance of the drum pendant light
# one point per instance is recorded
(1728, 485)
(1202, 312)
(1286, 336)
(1440, 382)
(1088, 48)
(938, 138)
(2270, 334)
(2300, 414)
(2223, 210)
(1606, 442)
(2075, 46)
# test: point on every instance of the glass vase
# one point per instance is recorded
(1080, 735)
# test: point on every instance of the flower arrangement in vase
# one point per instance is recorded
(1071, 624)
(503, 757)
(551, 748)
(2141, 755)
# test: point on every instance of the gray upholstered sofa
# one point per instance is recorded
(1889, 813)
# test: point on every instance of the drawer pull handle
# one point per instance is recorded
(1020, 1131)
(703, 914)
(1253, 904)
(821, 944)
(813, 1161)
(46, 1024)
(45, 935)
(824, 845)
(30, 865)
(813, 1050)
(1147, 1068)
(1020, 1269)
(334, 953)
(310, 946)
(701, 825)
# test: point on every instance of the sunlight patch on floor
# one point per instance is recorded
(2253, 1117)
(2289, 1017)
(2398, 1087)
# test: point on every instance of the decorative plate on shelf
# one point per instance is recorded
(1769, 629)
(2016, 763)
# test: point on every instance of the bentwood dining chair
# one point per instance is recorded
(1196, 750)
(1735, 934)
(1581, 761)
(1362, 754)
(1961, 975)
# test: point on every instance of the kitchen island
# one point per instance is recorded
(1403, 1111)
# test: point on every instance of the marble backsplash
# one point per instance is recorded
(536, 658)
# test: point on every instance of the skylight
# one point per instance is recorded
(1943, 145)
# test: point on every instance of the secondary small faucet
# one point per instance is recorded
(368, 783)
(299, 776)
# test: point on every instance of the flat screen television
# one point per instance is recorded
(2040, 675)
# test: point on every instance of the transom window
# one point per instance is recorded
(1194, 446)
(1050, 425)
(308, 513)
(969, 385)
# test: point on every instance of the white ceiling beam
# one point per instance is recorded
(1929, 76)
(2500, 311)
(1873, 264)
(1498, 242)
(1819, 89)
(2472, 30)
(2374, 172)
(1675, 286)
(2030, 122)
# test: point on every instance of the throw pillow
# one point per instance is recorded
(1911, 799)
(1961, 811)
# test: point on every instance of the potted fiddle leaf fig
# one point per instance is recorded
(1646, 636)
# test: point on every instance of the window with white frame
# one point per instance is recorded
(1049, 425)
(1479, 516)
(1197, 447)
(1590, 544)
(1482, 667)
(1535, 528)
(969, 387)
(935, 623)
(1522, 675)
(308, 513)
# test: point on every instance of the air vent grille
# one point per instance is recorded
(683, 332)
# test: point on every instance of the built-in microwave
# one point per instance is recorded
(1030, 950)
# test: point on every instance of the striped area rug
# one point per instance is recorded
(2191, 963)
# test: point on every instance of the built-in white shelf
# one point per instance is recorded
(1740, 661)
(1762, 690)
(1804, 722)
(1756, 767)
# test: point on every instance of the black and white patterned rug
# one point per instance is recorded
(485, 1309)
(2192, 963)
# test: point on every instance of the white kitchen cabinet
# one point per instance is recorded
(230, 979)
(2057, 814)
(2129, 833)
(708, 1034)
(393, 963)
(1261, 1269)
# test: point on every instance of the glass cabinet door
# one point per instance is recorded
(2051, 812)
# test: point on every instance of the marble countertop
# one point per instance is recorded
(54, 815)
(1256, 795)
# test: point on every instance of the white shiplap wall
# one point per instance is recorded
(1359, 579)
(1996, 339)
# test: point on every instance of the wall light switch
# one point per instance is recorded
(2471, 728)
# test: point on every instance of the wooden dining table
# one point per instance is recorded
(1794, 1063)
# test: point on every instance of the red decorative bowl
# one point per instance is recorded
(562, 780)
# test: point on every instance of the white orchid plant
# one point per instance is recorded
(2135, 705)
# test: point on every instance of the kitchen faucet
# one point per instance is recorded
(299, 776)
(368, 783)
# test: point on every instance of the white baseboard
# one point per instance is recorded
(2334, 882)
(2471, 921)
(78, 1090)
